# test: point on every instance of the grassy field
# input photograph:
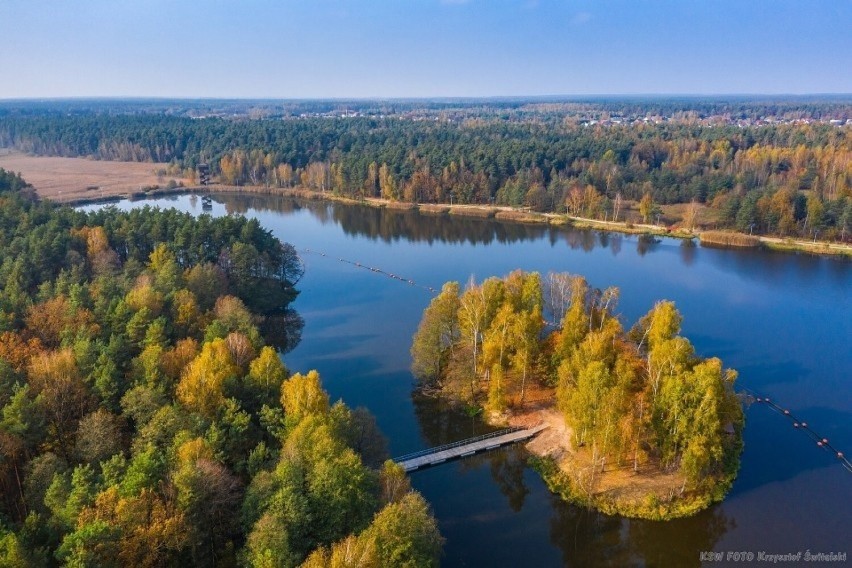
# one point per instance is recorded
(69, 179)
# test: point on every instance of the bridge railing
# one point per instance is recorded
(465, 442)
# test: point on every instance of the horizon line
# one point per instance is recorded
(423, 98)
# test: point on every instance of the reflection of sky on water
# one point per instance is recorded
(783, 320)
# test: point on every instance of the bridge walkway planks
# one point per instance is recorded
(466, 448)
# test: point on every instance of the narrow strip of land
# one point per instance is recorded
(77, 180)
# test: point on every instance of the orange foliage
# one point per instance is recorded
(95, 238)
(102, 258)
(176, 359)
(48, 320)
(152, 529)
(16, 351)
(54, 375)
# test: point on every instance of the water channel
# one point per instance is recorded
(784, 321)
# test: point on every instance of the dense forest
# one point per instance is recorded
(632, 398)
(787, 178)
(146, 418)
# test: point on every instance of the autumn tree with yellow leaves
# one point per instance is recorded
(145, 418)
(630, 398)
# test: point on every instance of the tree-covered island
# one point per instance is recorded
(640, 425)
(147, 420)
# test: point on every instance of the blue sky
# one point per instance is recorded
(422, 48)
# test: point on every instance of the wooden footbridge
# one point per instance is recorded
(464, 448)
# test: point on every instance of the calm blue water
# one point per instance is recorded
(784, 321)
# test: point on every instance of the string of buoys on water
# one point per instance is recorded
(374, 270)
(803, 426)
(821, 441)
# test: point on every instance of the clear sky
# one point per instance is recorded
(422, 48)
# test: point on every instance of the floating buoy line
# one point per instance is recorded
(821, 442)
(801, 425)
(374, 270)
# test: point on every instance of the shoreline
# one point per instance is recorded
(646, 493)
(501, 213)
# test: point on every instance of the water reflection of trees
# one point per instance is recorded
(391, 225)
(283, 330)
(646, 243)
(507, 469)
(589, 538)
(584, 537)
(781, 269)
(688, 250)
(441, 423)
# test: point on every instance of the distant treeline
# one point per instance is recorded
(736, 107)
(781, 179)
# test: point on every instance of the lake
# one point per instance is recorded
(784, 321)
